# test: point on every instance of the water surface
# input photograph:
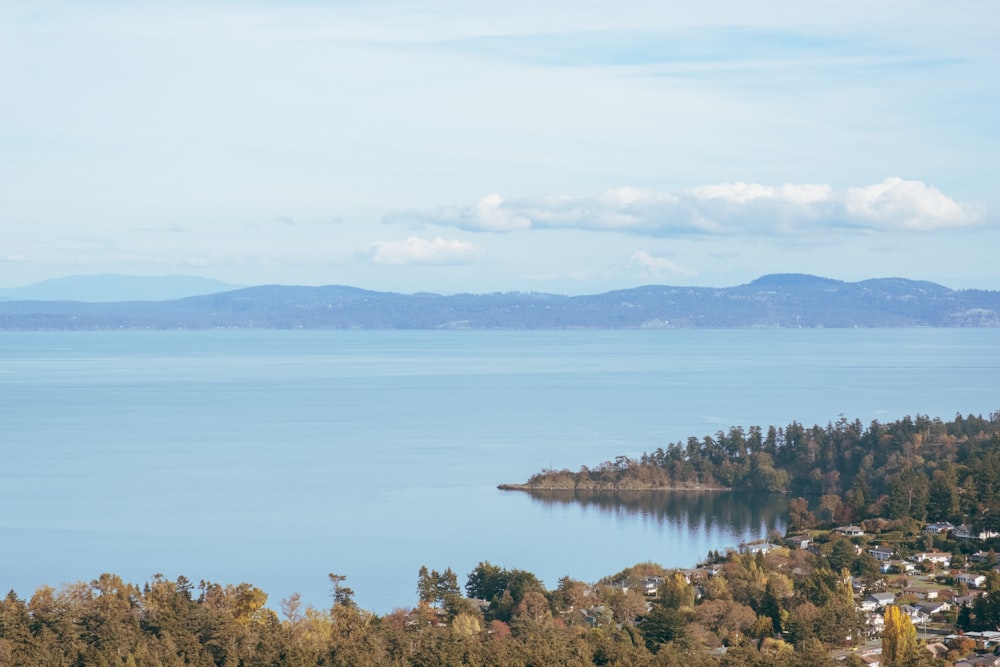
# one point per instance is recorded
(276, 457)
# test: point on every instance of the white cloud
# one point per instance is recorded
(913, 205)
(416, 250)
(726, 208)
(742, 193)
(656, 266)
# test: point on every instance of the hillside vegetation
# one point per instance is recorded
(915, 467)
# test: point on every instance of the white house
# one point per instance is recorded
(936, 558)
(878, 600)
(938, 528)
(964, 532)
(883, 554)
(761, 547)
(970, 579)
(917, 616)
(651, 584)
(931, 608)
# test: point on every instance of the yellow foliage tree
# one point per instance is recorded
(466, 625)
(899, 637)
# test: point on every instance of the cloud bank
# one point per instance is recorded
(893, 205)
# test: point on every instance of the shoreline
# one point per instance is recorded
(602, 487)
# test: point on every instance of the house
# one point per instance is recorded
(711, 570)
(970, 579)
(965, 532)
(798, 541)
(917, 616)
(879, 600)
(932, 608)
(851, 531)
(874, 625)
(867, 604)
(899, 566)
(934, 558)
(651, 584)
(921, 593)
(938, 528)
(966, 600)
(761, 548)
(985, 639)
(883, 553)
(984, 557)
(621, 584)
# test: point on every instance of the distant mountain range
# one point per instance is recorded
(114, 287)
(773, 301)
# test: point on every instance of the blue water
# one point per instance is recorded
(276, 457)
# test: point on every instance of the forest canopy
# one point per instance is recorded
(915, 467)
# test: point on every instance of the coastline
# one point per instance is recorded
(528, 487)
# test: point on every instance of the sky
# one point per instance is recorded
(570, 147)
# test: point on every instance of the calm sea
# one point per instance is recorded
(277, 457)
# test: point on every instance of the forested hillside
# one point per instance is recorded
(916, 467)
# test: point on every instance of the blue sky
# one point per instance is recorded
(569, 147)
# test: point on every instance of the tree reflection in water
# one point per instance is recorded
(737, 513)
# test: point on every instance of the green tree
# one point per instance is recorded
(942, 498)
(486, 581)
(662, 625)
(842, 554)
(343, 596)
(908, 496)
(426, 585)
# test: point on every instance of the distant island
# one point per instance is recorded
(772, 301)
